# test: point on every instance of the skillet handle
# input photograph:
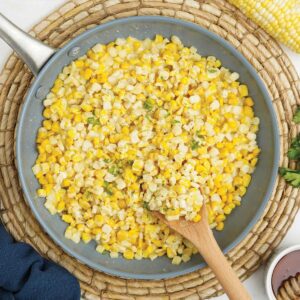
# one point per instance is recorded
(33, 52)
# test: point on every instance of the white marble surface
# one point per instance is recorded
(29, 12)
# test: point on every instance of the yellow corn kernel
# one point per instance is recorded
(179, 189)
(48, 125)
(122, 235)
(253, 162)
(77, 158)
(80, 227)
(122, 204)
(242, 190)
(227, 210)
(88, 74)
(170, 252)
(77, 118)
(167, 174)
(86, 237)
(129, 176)
(248, 111)
(66, 183)
(69, 142)
(90, 223)
(87, 107)
(220, 218)
(41, 193)
(61, 206)
(96, 230)
(249, 101)
(233, 100)
(197, 218)
(135, 187)
(158, 38)
(55, 127)
(246, 180)
(67, 218)
(176, 260)
(128, 254)
(232, 124)
(48, 188)
(185, 182)
(238, 181)
(220, 226)
(243, 90)
(79, 63)
(47, 113)
(71, 133)
(99, 220)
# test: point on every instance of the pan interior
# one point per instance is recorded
(240, 221)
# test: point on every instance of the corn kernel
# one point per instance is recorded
(220, 226)
(67, 218)
(41, 193)
(86, 237)
(243, 90)
(128, 254)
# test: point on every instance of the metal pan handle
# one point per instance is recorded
(33, 52)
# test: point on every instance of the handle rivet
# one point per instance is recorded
(41, 93)
(74, 52)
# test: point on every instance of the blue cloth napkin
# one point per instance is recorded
(25, 275)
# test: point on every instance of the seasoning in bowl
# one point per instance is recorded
(287, 267)
(134, 125)
(282, 273)
(289, 289)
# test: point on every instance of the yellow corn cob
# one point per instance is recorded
(281, 19)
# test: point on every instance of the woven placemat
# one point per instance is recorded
(270, 62)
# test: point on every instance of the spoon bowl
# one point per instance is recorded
(200, 234)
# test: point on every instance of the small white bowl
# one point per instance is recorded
(277, 256)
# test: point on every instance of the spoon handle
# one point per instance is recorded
(216, 260)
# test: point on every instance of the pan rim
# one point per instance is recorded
(267, 99)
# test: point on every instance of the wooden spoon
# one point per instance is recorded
(202, 237)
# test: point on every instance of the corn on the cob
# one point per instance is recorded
(280, 18)
(135, 125)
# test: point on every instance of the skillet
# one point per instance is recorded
(46, 63)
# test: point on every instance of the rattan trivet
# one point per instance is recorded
(218, 16)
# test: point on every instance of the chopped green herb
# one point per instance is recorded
(291, 176)
(106, 160)
(146, 205)
(107, 188)
(294, 150)
(175, 122)
(105, 184)
(114, 170)
(87, 194)
(148, 104)
(200, 136)
(93, 121)
(296, 118)
(212, 70)
(195, 145)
